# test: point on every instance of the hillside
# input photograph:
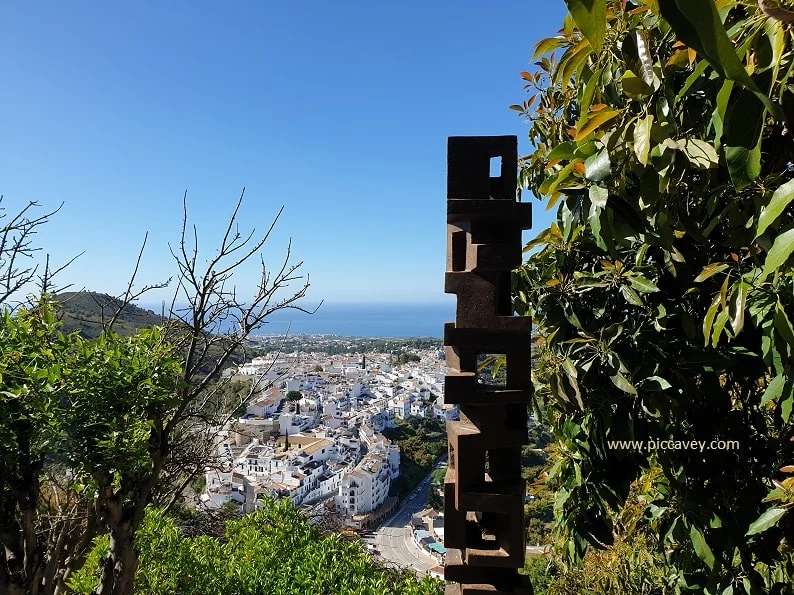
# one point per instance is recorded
(85, 311)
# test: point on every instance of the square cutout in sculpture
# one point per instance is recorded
(491, 372)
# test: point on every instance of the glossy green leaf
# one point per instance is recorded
(642, 284)
(590, 17)
(719, 325)
(744, 165)
(702, 549)
(587, 96)
(780, 200)
(779, 253)
(593, 121)
(774, 389)
(698, 71)
(700, 153)
(598, 166)
(547, 45)
(783, 325)
(623, 384)
(744, 127)
(570, 67)
(766, 521)
(710, 270)
(642, 138)
(640, 257)
(697, 23)
(562, 151)
(739, 305)
(720, 111)
(594, 219)
(550, 184)
(776, 33)
(598, 195)
(640, 38)
(630, 295)
(633, 86)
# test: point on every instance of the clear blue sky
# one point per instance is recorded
(338, 111)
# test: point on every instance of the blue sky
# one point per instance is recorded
(338, 111)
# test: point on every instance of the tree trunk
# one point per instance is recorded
(77, 553)
(22, 552)
(123, 519)
(119, 569)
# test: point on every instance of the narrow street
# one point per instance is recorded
(393, 539)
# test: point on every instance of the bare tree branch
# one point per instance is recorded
(17, 265)
(129, 296)
(45, 280)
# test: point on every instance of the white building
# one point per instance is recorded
(265, 404)
(366, 487)
(380, 419)
(223, 487)
(445, 412)
(254, 461)
(418, 408)
(400, 408)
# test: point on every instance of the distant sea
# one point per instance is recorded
(364, 320)
(356, 320)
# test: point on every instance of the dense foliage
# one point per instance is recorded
(538, 506)
(663, 291)
(421, 444)
(76, 426)
(405, 358)
(273, 550)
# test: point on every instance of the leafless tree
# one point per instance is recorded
(19, 269)
(184, 439)
(208, 521)
(326, 519)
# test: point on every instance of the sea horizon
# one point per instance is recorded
(363, 320)
(350, 319)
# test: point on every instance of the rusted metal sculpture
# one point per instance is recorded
(484, 491)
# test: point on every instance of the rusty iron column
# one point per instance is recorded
(483, 488)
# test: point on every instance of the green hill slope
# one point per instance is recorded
(85, 311)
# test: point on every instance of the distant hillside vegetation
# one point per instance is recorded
(84, 311)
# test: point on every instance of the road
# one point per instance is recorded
(394, 540)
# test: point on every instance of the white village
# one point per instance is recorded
(314, 434)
